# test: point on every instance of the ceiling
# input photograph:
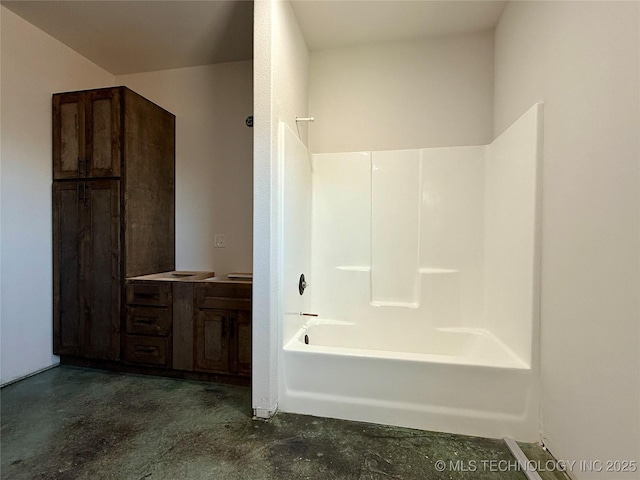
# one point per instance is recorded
(329, 24)
(138, 36)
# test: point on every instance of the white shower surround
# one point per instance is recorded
(424, 270)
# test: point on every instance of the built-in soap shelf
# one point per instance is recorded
(433, 271)
(421, 287)
(353, 268)
(424, 271)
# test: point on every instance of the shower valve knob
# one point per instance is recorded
(302, 284)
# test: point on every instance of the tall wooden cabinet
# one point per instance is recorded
(113, 211)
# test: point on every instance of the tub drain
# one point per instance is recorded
(306, 339)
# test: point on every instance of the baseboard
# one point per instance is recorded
(264, 413)
(10, 382)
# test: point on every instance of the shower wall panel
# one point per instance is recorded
(443, 237)
(341, 233)
(452, 219)
(395, 228)
(295, 168)
(510, 257)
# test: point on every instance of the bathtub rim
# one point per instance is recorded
(296, 344)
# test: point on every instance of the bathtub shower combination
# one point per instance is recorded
(423, 272)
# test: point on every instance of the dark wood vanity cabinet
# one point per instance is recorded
(223, 328)
(113, 212)
(190, 325)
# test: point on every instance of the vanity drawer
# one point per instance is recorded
(148, 320)
(149, 293)
(236, 296)
(141, 349)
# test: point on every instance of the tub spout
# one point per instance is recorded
(308, 314)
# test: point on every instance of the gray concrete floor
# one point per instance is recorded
(69, 423)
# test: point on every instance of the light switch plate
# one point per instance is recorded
(219, 241)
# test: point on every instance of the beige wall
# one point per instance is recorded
(401, 95)
(581, 59)
(34, 66)
(214, 160)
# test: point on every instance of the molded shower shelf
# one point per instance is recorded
(430, 271)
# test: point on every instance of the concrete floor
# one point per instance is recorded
(69, 423)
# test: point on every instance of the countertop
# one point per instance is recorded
(175, 276)
(190, 276)
(226, 279)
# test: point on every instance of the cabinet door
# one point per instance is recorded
(68, 313)
(68, 135)
(103, 133)
(100, 269)
(241, 343)
(87, 136)
(212, 341)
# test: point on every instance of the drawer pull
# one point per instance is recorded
(146, 295)
(144, 320)
(145, 350)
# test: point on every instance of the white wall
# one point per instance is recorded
(389, 96)
(280, 78)
(34, 66)
(582, 60)
(214, 160)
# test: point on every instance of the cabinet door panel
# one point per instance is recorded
(101, 141)
(240, 343)
(68, 136)
(101, 269)
(67, 225)
(103, 132)
(212, 341)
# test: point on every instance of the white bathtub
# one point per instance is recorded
(453, 380)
